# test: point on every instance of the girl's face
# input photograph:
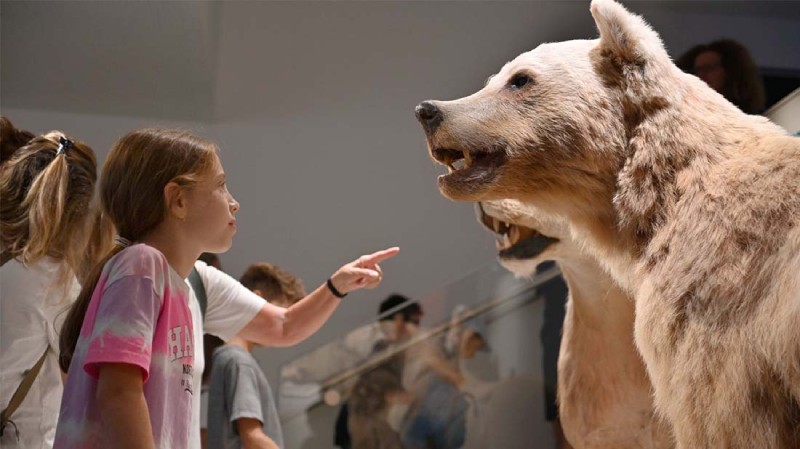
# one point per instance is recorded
(211, 208)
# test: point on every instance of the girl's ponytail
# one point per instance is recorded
(74, 321)
(46, 188)
(88, 272)
(45, 202)
(98, 244)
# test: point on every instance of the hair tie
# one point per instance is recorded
(122, 241)
(64, 145)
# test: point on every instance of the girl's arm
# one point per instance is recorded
(276, 326)
(120, 399)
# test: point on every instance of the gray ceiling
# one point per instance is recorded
(147, 58)
(786, 9)
(160, 59)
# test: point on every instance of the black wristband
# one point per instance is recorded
(333, 290)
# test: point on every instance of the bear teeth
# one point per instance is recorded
(467, 159)
(454, 160)
(513, 235)
(503, 242)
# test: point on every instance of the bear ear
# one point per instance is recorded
(625, 34)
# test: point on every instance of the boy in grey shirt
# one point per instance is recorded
(241, 408)
(240, 403)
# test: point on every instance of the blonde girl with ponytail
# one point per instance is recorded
(46, 225)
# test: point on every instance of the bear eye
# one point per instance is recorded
(519, 80)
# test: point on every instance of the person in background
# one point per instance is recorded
(241, 408)
(727, 67)
(47, 185)
(398, 318)
(435, 375)
(234, 310)
(211, 259)
(369, 403)
(210, 344)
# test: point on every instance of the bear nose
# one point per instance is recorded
(429, 115)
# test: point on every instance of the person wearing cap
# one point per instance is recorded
(396, 315)
(442, 384)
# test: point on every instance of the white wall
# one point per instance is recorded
(99, 131)
(110, 58)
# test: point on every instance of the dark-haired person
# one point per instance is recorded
(727, 67)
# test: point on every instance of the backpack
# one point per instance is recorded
(199, 290)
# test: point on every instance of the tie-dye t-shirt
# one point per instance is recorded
(139, 315)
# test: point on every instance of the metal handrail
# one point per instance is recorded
(387, 354)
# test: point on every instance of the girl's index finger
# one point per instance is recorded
(380, 256)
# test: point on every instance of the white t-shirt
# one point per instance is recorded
(230, 307)
(31, 314)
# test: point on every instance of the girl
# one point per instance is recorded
(129, 339)
(369, 404)
(46, 185)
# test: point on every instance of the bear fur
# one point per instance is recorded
(604, 395)
(691, 206)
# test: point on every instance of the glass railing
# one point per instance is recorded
(476, 372)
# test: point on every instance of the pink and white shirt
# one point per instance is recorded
(139, 314)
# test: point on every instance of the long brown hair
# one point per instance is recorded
(744, 86)
(45, 197)
(368, 398)
(132, 183)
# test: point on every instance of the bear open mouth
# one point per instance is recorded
(514, 241)
(467, 166)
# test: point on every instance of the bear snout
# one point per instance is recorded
(429, 115)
